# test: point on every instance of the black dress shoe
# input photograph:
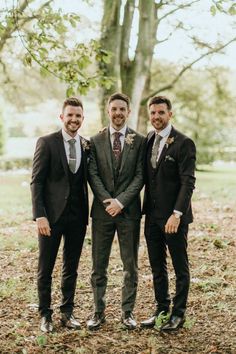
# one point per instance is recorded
(69, 321)
(96, 321)
(46, 324)
(173, 324)
(150, 322)
(128, 320)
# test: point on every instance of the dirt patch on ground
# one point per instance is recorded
(211, 315)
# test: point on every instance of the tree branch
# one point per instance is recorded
(185, 68)
(180, 7)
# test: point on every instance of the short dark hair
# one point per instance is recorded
(160, 99)
(72, 101)
(119, 96)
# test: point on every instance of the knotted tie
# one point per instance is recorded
(155, 150)
(117, 145)
(72, 155)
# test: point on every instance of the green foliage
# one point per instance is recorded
(2, 134)
(49, 39)
(226, 6)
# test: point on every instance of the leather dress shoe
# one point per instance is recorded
(96, 321)
(150, 322)
(173, 324)
(69, 321)
(128, 320)
(46, 324)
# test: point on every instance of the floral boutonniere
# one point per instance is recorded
(85, 144)
(129, 139)
(169, 141)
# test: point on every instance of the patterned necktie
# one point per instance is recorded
(72, 155)
(117, 145)
(155, 150)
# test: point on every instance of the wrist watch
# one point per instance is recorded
(177, 215)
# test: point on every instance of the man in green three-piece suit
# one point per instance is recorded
(116, 178)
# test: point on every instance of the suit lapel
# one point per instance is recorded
(165, 148)
(62, 151)
(107, 147)
(126, 150)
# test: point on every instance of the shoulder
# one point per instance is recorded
(50, 137)
(99, 137)
(182, 138)
(135, 134)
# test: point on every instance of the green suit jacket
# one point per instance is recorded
(126, 187)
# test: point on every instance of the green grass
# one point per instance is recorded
(219, 184)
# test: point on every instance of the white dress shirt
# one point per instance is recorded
(122, 137)
(67, 137)
(164, 134)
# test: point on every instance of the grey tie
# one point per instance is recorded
(72, 155)
(155, 150)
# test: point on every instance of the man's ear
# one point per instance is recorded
(61, 117)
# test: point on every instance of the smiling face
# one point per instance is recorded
(72, 118)
(159, 115)
(118, 112)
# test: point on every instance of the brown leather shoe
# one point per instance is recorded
(69, 321)
(46, 324)
(151, 321)
(96, 321)
(128, 320)
(173, 324)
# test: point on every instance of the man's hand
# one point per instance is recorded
(171, 227)
(113, 208)
(43, 226)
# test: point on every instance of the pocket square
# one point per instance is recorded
(169, 158)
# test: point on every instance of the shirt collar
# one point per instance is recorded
(165, 132)
(122, 130)
(67, 137)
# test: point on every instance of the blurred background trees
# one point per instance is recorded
(47, 53)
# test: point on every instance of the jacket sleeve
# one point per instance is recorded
(39, 176)
(186, 165)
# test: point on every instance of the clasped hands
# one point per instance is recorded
(112, 207)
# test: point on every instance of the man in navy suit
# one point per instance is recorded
(60, 208)
(170, 167)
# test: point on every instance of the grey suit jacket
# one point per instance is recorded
(126, 188)
(50, 186)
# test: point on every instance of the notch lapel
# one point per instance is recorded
(107, 148)
(62, 152)
(126, 150)
(165, 148)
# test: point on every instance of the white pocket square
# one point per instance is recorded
(169, 158)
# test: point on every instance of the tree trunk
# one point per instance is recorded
(110, 41)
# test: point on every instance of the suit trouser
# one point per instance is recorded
(103, 232)
(158, 242)
(73, 234)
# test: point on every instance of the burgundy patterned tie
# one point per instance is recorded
(117, 145)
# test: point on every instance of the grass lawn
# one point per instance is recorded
(219, 184)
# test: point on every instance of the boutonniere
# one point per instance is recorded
(85, 144)
(169, 141)
(129, 139)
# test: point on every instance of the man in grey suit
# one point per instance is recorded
(116, 178)
(60, 207)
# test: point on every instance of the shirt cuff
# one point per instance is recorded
(119, 203)
(178, 212)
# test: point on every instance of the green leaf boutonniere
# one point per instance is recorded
(129, 139)
(85, 144)
(169, 141)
